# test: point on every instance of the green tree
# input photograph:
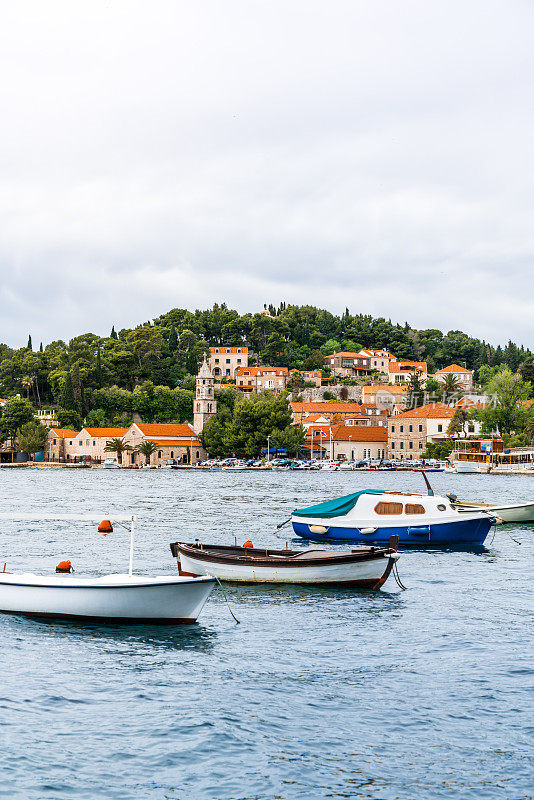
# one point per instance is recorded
(31, 437)
(146, 448)
(69, 418)
(526, 370)
(415, 388)
(66, 397)
(292, 438)
(506, 411)
(15, 413)
(451, 386)
(458, 424)
(29, 346)
(118, 446)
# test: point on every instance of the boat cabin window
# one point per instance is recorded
(388, 508)
(414, 508)
(441, 507)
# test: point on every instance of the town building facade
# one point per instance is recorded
(57, 442)
(176, 441)
(349, 365)
(411, 431)
(260, 379)
(224, 361)
(400, 372)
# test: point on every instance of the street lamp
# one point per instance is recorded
(268, 449)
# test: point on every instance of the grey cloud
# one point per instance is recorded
(375, 155)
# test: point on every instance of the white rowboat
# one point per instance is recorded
(366, 568)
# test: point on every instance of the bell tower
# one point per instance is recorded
(205, 403)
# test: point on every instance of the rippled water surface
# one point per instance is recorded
(316, 694)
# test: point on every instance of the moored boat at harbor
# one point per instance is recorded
(373, 515)
(111, 598)
(509, 512)
(365, 568)
(116, 598)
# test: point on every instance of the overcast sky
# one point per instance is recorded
(362, 153)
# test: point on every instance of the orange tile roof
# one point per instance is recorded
(347, 354)
(360, 433)
(176, 442)
(394, 366)
(64, 433)
(109, 433)
(253, 371)
(453, 368)
(384, 388)
(222, 349)
(430, 411)
(166, 429)
(322, 407)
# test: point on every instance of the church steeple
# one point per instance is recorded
(205, 403)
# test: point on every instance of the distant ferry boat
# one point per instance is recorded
(489, 455)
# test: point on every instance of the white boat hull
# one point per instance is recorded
(371, 570)
(113, 598)
(508, 513)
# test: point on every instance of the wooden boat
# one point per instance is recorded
(366, 568)
(373, 515)
(110, 598)
(512, 512)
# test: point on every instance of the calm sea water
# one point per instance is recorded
(392, 695)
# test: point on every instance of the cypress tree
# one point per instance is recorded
(113, 334)
(29, 345)
(173, 339)
(41, 347)
(66, 397)
(99, 378)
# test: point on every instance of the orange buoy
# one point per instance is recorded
(64, 566)
(105, 526)
(248, 543)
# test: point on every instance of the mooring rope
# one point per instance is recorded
(225, 597)
(397, 578)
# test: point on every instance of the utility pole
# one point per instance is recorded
(268, 449)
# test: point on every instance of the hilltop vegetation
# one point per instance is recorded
(148, 369)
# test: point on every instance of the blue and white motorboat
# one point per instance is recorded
(373, 515)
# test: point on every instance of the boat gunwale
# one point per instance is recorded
(290, 561)
(180, 581)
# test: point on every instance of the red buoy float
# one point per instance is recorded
(105, 526)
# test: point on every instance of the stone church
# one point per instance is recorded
(205, 404)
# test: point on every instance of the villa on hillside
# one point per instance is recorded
(224, 361)
(463, 376)
(401, 371)
(349, 365)
(259, 379)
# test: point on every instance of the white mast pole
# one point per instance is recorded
(132, 532)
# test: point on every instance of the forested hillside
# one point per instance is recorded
(148, 368)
